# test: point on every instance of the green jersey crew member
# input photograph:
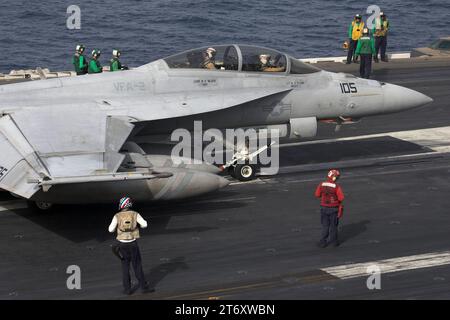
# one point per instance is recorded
(115, 64)
(94, 64)
(127, 223)
(354, 34)
(79, 61)
(365, 49)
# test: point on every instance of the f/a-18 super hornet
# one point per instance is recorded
(79, 139)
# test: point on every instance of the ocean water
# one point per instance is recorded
(34, 33)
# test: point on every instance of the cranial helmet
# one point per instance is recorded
(116, 53)
(96, 53)
(333, 174)
(79, 48)
(124, 203)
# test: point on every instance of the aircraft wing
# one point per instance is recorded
(56, 141)
(174, 105)
(65, 143)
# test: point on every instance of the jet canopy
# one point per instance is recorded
(239, 58)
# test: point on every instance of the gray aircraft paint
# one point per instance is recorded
(72, 127)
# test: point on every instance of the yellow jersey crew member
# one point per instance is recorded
(127, 223)
(209, 59)
(354, 34)
(380, 32)
(365, 49)
(94, 64)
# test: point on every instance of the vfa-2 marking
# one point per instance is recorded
(348, 87)
(127, 86)
(3, 170)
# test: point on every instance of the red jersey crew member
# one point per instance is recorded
(331, 197)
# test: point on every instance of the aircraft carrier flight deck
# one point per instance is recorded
(257, 239)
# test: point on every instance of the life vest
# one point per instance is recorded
(381, 27)
(208, 64)
(127, 228)
(357, 30)
(115, 65)
(329, 194)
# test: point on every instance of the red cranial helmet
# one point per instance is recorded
(333, 174)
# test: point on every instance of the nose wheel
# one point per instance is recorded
(240, 168)
(244, 172)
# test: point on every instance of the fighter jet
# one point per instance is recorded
(80, 139)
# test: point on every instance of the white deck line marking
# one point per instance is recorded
(11, 205)
(248, 182)
(227, 200)
(437, 139)
(420, 261)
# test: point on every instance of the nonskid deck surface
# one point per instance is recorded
(257, 240)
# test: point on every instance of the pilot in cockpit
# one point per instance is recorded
(266, 66)
(209, 59)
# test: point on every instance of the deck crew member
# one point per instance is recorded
(115, 64)
(79, 61)
(94, 64)
(354, 34)
(209, 59)
(127, 223)
(380, 32)
(331, 197)
(365, 49)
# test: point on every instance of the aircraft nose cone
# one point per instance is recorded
(397, 98)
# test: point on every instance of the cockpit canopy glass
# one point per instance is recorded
(262, 59)
(299, 67)
(227, 57)
(213, 58)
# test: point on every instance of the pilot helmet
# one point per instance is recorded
(211, 52)
(79, 48)
(264, 58)
(116, 53)
(96, 53)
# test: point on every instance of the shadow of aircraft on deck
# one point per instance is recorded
(80, 223)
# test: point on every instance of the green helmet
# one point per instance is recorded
(80, 48)
(96, 53)
(116, 53)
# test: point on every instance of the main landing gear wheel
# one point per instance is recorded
(244, 172)
(40, 206)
